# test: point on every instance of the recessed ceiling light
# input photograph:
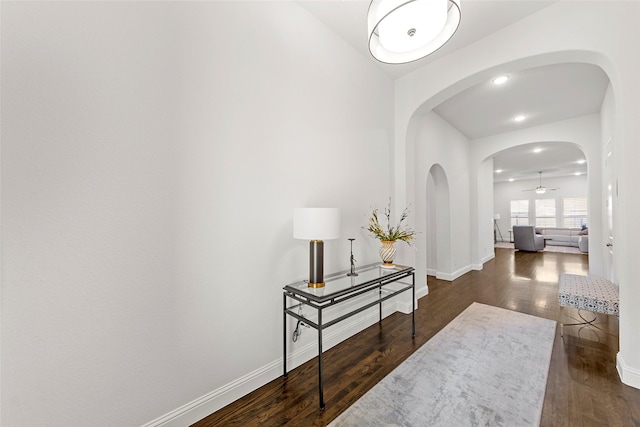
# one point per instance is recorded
(581, 161)
(519, 118)
(498, 170)
(500, 80)
(578, 173)
(537, 150)
(511, 179)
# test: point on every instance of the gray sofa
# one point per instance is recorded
(526, 239)
(558, 236)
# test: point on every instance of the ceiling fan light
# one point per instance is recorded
(541, 190)
(402, 31)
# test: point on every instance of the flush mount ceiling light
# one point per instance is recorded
(500, 80)
(402, 31)
(519, 118)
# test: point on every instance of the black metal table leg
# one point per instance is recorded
(380, 305)
(284, 333)
(413, 306)
(320, 385)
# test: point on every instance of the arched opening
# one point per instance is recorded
(420, 92)
(438, 224)
(477, 249)
(560, 166)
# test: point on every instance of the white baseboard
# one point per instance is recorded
(482, 262)
(628, 375)
(229, 393)
(453, 275)
(461, 271)
(487, 258)
(431, 272)
(217, 399)
(422, 291)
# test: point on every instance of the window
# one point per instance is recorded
(519, 212)
(574, 211)
(545, 212)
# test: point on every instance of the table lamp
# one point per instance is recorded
(316, 225)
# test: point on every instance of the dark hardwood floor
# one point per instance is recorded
(583, 387)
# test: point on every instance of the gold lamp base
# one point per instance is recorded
(316, 285)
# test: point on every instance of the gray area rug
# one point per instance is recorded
(488, 367)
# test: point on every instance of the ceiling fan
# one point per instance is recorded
(541, 189)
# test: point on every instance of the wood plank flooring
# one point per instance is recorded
(583, 387)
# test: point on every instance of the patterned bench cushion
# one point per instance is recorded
(589, 293)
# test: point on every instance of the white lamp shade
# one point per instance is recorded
(402, 31)
(496, 216)
(316, 223)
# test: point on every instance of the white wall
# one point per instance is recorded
(482, 194)
(610, 199)
(439, 143)
(152, 155)
(505, 192)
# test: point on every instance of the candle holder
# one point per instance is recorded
(353, 261)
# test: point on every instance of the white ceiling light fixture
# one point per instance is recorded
(402, 31)
(519, 118)
(500, 80)
(498, 170)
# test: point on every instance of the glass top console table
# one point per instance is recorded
(388, 282)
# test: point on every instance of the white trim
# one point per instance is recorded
(483, 261)
(628, 375)
(444, 276)
(454, 275)
(461, 272)
(431, 272)
(229, 393)
(488, 258)
(422, 291)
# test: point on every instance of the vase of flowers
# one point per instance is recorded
(389, 234)
(387, 252)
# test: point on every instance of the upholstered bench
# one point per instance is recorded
(588, 293)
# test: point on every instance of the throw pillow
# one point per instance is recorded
(584, 232)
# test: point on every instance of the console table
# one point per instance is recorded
(340, 288)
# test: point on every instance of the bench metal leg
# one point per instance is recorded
(586, 322)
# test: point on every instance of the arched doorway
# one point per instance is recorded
(438, 224)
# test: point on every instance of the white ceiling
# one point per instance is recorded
(544, 94)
